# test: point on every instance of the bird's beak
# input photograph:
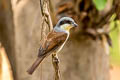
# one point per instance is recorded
(75, 25)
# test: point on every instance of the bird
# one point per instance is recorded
(55, 40)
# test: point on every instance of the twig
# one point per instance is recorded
(44, 6)
(46, 13)
(55, 62)
(46, 17)
(43, 28)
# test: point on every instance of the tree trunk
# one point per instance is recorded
(84, 59)
(7, 31)
(28, 27)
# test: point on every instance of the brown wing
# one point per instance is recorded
(54, 40)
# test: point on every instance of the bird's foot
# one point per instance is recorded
(55, 58)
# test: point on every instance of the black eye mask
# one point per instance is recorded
(65, 22)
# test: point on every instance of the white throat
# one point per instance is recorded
(61, 29)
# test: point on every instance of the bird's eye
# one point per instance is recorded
(62, 22)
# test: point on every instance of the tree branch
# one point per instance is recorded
(44, 6)
(55, 62)
(46, 13)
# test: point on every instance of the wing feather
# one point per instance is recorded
(54, 41)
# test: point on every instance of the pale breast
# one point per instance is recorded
(59, 49)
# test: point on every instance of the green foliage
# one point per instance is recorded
(115, 35)
(100, 4)
(112, 20)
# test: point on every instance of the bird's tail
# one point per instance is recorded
(35, 65)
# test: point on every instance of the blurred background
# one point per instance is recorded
(91, 53)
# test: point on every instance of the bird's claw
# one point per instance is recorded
(56, 60)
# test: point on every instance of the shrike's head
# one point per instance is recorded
(66, 23)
